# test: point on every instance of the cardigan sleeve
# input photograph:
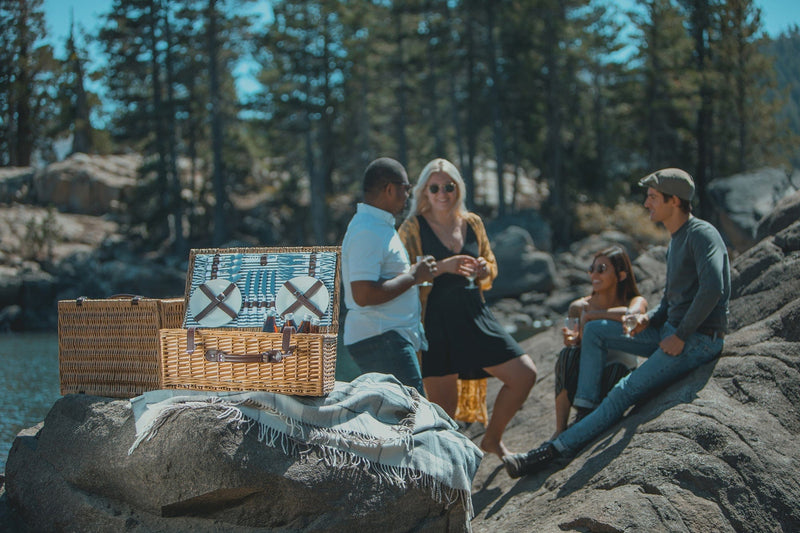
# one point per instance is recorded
(409, 234)
(485, 250)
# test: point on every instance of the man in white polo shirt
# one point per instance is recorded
(382, 330)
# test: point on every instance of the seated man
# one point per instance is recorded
(684, 332)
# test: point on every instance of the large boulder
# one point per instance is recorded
(785, 213)
(744, 199)
(715, 451)
(87, 184)
(198, 473)
(523, 268)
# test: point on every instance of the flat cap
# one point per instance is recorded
(672, 181)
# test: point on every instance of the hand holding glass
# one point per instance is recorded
(629, 322)
(420, 259)
(572, 326)
(473, 273)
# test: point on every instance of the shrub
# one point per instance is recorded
(626, 217)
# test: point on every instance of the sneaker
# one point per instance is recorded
(522, 464)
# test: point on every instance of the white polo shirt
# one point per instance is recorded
(372, 251)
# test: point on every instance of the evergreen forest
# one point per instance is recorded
(582, 95)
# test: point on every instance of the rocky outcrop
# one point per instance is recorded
(46, 255)
(715, 451)
(197, 474)
(785, 213)
(742, 200)
(84, 184)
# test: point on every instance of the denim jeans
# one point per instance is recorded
(389, 353)
(655, 373)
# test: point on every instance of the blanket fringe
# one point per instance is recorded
(353, 464)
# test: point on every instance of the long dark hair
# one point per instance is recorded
(626, 288)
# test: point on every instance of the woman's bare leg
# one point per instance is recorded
(443, 391)
(563, 406)
(518, 376)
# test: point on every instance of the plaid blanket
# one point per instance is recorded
(372, 426)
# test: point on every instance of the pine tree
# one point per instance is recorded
(305, 68)
(747, 133)
(666, 106)
(785, 50)
(27, 72)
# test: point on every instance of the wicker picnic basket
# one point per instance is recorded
(239, 355)
(109, 347)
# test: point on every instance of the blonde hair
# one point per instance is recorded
(419, 201)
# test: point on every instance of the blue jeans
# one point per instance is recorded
(654, 374)
(389, 353)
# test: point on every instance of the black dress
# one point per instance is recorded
(463, 335)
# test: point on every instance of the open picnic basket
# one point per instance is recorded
(229, 295)
(109, 347)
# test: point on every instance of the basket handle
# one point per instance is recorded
(134, 298)
(270, 356)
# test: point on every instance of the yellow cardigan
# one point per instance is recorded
(409, 234)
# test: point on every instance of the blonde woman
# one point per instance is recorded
(464, 337)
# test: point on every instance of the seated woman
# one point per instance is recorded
(614, 294)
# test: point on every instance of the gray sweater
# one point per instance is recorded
(698, 284)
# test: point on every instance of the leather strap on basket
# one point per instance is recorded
(190, 345)
(303, 298)
(217, 300)
(270, 356)
(134, 298)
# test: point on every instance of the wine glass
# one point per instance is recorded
(471, 279)
(473, 274)
(628, 323)
(572, 325)
(421, 258)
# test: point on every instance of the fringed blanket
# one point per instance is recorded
(372, 425)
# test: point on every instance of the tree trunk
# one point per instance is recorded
(176, 202)
(157, 111)
(402, 105)
(218, 179)
(81, 136)
(470, 128)
(497, 118)
(24, 144)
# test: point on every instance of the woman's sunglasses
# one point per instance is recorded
(602, 267)
(448, 188)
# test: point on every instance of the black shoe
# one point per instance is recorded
(523, 464)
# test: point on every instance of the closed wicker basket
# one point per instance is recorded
(258, 273)
(309, 371)
(110, 347)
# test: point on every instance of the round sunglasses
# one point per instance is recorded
(602, 267)
(448, 188)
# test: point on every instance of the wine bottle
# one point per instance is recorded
(270, 326)
(288, 320)
(305, 324)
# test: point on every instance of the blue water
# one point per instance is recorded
(28, 383)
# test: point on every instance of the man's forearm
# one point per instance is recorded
(381, 291)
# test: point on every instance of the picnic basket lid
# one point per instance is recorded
(300, 279)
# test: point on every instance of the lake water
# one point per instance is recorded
(28, 381)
